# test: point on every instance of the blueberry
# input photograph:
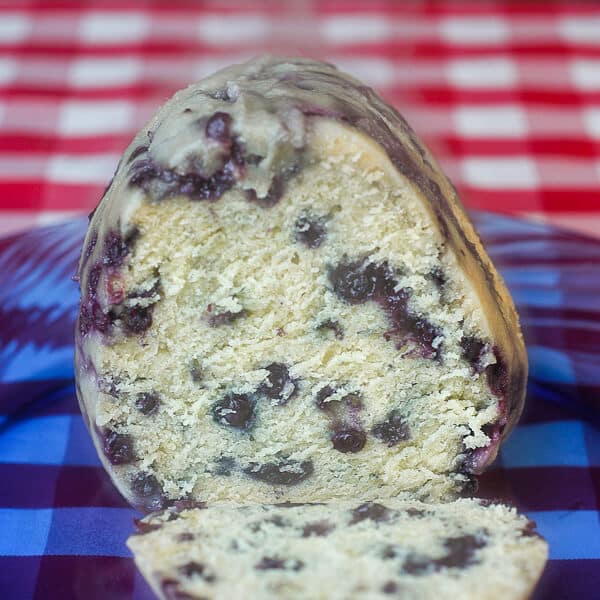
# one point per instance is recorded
(473, 351)
(333, 326)
(318, 529)
(147, 402)
(235, 410)
(460, 553)
(438, 277)
(279, 385)
(196, 569)
(218, 127)
(349, 440)
(269, 563)
(370, 510)
(322, 395)
(352, 282)
(271, 198)
(118, 447)
(224, 466)
(310, 230)
(136, 319)
(283, 472)
(390, 587)
(224, 318)
(461, 550)
(393, 430)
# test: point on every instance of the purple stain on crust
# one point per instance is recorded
(91, 244)
(116, 247)
(138, 151)
(497, 375)
(92, 317)
(143, 528)
(148, 492)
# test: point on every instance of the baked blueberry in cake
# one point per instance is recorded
(282, 300)
(341, 551)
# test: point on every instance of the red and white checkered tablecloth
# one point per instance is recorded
(506, 94)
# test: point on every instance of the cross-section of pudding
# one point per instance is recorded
(283, 300)
(341, 551)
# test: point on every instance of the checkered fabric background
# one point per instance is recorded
(507, 96)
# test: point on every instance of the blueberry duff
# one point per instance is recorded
(282, 299)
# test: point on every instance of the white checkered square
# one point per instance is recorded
(95, 118)
(580, 29)
(223, 30)
(490, 121)
(482, 73)
(376, 72)
(14, 27)
(591, 121)
(500, 172)
(113, 27)
(92, 169)
(8, 70)
(474, 30)
(585, 74)
(344, 29)
(100, 72)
